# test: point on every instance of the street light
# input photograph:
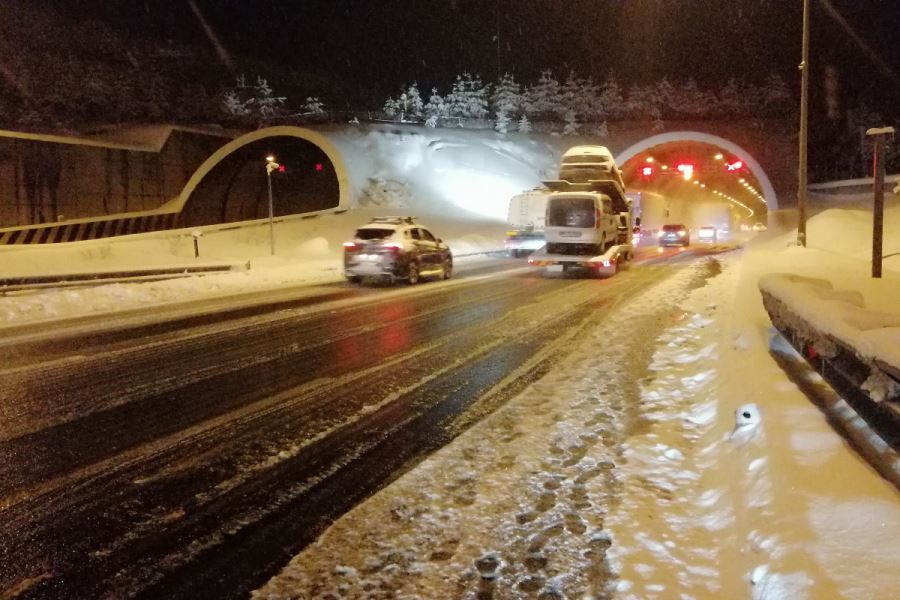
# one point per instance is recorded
(804, 128)
(271, 165)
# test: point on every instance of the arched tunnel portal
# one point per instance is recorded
(232, 185)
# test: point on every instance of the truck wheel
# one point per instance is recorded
(353, 279)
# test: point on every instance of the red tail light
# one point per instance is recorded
(394, 247)
(349, 246)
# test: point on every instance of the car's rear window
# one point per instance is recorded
(673, 227)
(571, 212)
(371, 233)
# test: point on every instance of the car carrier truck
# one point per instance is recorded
(588, 221)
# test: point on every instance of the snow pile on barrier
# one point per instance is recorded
(820, 315)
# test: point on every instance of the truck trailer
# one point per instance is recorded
(588, 223)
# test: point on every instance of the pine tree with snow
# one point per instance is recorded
(581, 96)
(689, 100)
(572, 126)
(411, 103)
(314, 106)
(507, 96)
(478, 98)
(267, 104)
(455, 100)
(435, 109)
(665, 95)
(658, 124)
(524, 125)
(502, 123)
(391, 107)
(637, 102)
(543, 99)
(602, 130)
(234, 106)
(611, 97)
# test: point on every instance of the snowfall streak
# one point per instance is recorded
(195, 463)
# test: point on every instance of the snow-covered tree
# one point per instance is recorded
(689, 100)
(507, 96)
(233, 105)
(503, 120)
(468, 98)
(572, 126)
(524, 124)
(665, 96)
(602, 130)
(611, 98)
(257, 102)
(314, 106)
(436, 109)
(410, 103)
(267, 104)
(543, 99)
(391, 107)
(637, 102)
(571, 98)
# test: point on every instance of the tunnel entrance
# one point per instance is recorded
(236, 187)
(696, 180)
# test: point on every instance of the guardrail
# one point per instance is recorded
(18, 284)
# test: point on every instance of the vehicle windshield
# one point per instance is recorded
(571, 212)
(373, 234)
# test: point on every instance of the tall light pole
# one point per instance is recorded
(804, 129)
(271, 165)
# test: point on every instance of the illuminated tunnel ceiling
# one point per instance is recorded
(236, 189)
(715, 175)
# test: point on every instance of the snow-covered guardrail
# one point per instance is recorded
(855, 349)
(17, 284)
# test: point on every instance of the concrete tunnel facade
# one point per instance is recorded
(232, 184)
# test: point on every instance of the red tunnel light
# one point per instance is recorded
(647, 171)
(282, 169)
(735, 166)
(686, 170)
(319, 167)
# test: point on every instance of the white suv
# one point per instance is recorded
(394, 248)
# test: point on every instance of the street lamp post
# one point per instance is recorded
(271, 165)
(804, 128)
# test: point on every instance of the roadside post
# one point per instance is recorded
(879, 134)
(196, 234)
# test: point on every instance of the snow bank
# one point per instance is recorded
(841, 314)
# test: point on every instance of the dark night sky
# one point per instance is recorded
(380, 45)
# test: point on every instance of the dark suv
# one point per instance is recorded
(391, 248)
(674, 235)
